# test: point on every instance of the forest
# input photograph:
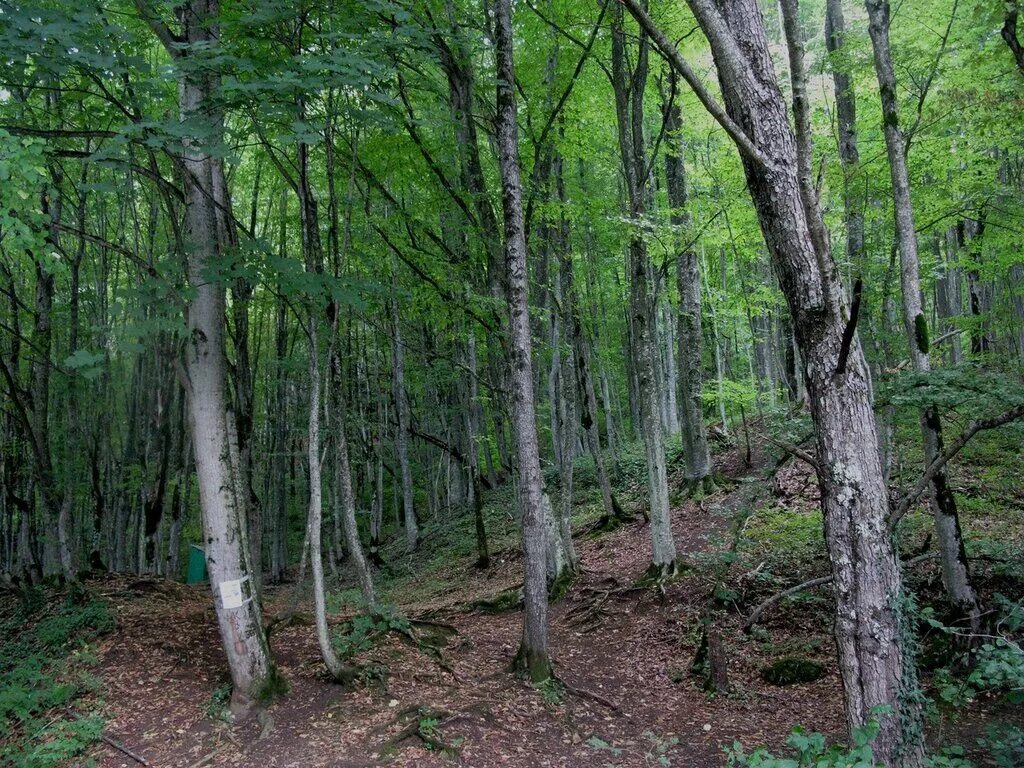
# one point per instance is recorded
(566, 383)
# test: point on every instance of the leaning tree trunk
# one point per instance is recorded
(533, 650)
(314, 519)
(955, 573)
(872, 632)
(211, 420)
(696, 453)
(343, 484)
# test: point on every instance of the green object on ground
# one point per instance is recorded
(196, 565)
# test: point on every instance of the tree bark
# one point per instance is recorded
(533, 651)
(955, 572)
(876, 659)
(212, 422)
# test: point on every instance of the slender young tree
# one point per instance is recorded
(696, 453)
(533, 656)
(412, 536)
(629, 103)
(955, 572)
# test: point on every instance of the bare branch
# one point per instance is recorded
(952, 450)
(674, 58)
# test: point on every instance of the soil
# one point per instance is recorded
(624, 654)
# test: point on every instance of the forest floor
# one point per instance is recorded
(623, 652)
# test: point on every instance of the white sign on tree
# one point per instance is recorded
(231, 593)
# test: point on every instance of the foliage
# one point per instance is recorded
(216, 707)
(996, 666)
(43, 673)
(811, 750)
(366, 629)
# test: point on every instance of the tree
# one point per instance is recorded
(955, 573)
(876, 660)
(533, 650)
(629, 100)
(691, 411)
(214, 434)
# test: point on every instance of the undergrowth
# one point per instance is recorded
(46, 657)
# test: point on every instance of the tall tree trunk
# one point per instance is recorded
(472, 418)
(696, 453)
(629, 114)
(402, 416)
(533, 651)
(214, 437)
(56, 513)
(872, 634)
(955, 573)
(315, 516)
(567, 388)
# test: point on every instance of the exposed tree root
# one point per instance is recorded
(583, 693)
(507, 600)
(424, 725)
(588, 614)
(697, 488)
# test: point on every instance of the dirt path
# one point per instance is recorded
(626, 655)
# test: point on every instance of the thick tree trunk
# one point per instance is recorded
(872, 633)
(214, 438)
(955, 572)
(533, 651)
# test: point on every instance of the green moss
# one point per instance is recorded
(560, 586)
(509, 600)
(921, 333)
(533, 666)
(791, 670)
(273, 687)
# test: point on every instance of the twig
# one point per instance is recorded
(109, 740)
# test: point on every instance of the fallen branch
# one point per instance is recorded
(110, 741)
(755, 615)
(952, 450)
(794, 450)
(821, 581)
(583, 693)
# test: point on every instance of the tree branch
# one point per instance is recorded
(952, 450)
(671, 54)
(1009, 33)
(168, 39)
